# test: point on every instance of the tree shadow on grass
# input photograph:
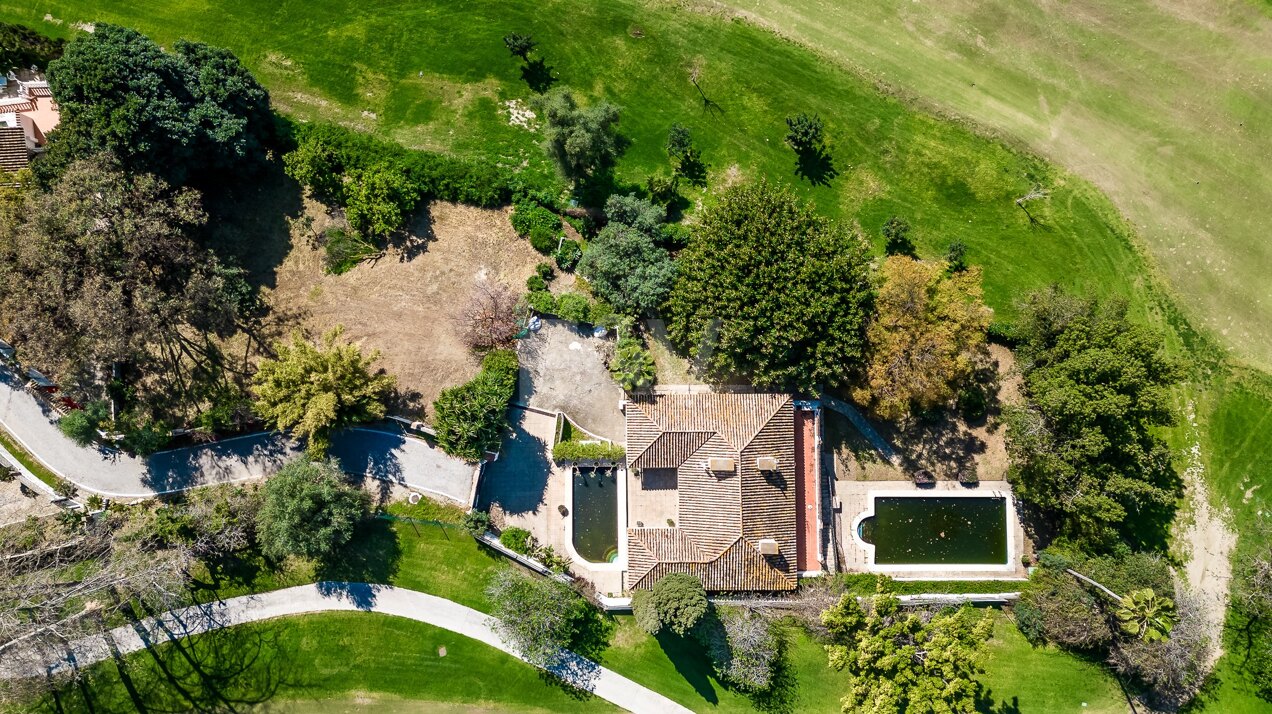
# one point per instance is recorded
(816, 166)
(236, 669)
(359, 570)
(537, 75)
(986, 704)
(691, 662)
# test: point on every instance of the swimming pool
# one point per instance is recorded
(595, 514)
(936, 530)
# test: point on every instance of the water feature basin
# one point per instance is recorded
(937, 530)
(595, 513)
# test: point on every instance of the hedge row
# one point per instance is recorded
(326, 153)
(567, 451)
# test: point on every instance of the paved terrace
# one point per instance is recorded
(378, 453)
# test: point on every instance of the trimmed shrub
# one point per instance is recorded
(545, 271)
(573, 307)
(543, 239)
(534, 283)
(568, 451)
(325, 152)
(518, 540)
(568, 255)
(542, 302)
(528, 215)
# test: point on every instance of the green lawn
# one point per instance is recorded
(1022, 678)
(1165, 106)
(435, 74)
(363, 659)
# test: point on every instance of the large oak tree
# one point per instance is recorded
(101, 274)
(771, 291)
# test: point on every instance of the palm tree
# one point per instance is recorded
(633, 367)
(1143, 613)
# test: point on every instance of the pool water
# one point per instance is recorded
(595, 514)
(935, 530)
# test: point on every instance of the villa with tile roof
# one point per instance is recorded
(718, 487)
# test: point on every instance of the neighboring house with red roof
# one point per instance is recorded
(718, 488)
(27, 115)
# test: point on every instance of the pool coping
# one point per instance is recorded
(619, 563)
(1009, 512)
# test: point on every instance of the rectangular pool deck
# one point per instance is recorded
(855, 497)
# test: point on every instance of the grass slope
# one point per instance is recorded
(436, 74)
(1166, 106)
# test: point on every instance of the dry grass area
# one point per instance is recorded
(943, 447)
(404, 303)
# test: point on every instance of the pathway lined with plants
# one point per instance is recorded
(328, 597)
(386, 455)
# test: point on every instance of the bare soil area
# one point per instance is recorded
(404, 303)
(944, 446)
(16, 506)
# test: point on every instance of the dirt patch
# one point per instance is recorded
(944, 447)
(403, 304)
(1209, 542)
(16, 507)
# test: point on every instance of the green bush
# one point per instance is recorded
(81, 425)
(518, 540)
(342, 250)
(146, 438)
(573, 307)
(528, 215)
(567, 256)
(534, 283)
(477, 522)
(602, 313)
(470, 418)
(542, 302)
(326, 152)
(545, 271)
(568, 451)
(674, 236)
(543, 239)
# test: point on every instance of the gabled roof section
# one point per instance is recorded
(670, 449)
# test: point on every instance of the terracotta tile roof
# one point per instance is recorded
(13, 149)
(722, 516)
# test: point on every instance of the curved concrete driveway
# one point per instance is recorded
(381, 454)
(327, 597)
